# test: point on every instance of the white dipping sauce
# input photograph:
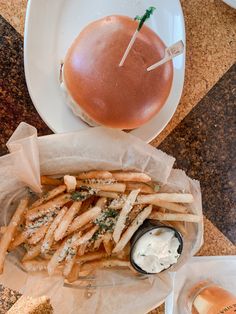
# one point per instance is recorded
(156, 250)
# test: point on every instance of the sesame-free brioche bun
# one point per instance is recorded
(119, 97)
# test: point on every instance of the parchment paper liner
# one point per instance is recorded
(94, 148)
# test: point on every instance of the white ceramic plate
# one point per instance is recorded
(50, 28)
(231, 3)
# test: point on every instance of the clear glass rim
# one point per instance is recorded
(195, 290)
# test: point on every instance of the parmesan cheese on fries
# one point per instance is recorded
(87, 222)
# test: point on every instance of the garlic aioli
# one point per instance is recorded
(156, 250)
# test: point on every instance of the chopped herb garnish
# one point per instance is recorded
(45, 194)
(104, 226)
(83, 193)
(54, 214)
(51, 252)
(144, 17)
(72, 251)
(110, 213)
(95, 236)
(26, 246)
(106, 221)
(157, 188)
(128, 221)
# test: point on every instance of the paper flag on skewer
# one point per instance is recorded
(170, 53)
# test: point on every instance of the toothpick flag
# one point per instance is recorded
(170, 53)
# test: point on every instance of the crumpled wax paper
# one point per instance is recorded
(111, 291)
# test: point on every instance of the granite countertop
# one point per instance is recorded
(8, 297)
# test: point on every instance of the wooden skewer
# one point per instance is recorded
(130, 45)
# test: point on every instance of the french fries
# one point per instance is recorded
(49, 237)
(86, 221)
(143, 187)
(3, 229)
(50, 181)
(108, 194)
(84, 218)
(49, 195)
(58, 256)
(101, 202)
(87, 226)
(171, 206)
(133, 213)
(157, 199)
(123, 214)
(11, 228)
(66, 221)
(74, 274)
(87, 204)
(97, 244)
(32, 266)
(168, 197)
(107, 243)
(88, 257)
(70, 244)
(137, 222)
(96, 174)
(38, 234)
(104, 263)
(114, 187)
(82, 249)
(18, 240)
(118, 203)
(70, 261)
(33, 252)
(77, 239)
(50, 206)
(131, 176)
(176, 217)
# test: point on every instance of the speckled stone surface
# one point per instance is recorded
(15, 103)
(215, 243)
(211, 51)
(14, 12)
(8, 297)
(204, 145)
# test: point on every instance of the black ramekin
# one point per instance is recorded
(147, 226)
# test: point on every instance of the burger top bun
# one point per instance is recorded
(118, 97)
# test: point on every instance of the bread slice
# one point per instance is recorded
(29, 305)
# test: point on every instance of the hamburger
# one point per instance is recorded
(101, 92)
